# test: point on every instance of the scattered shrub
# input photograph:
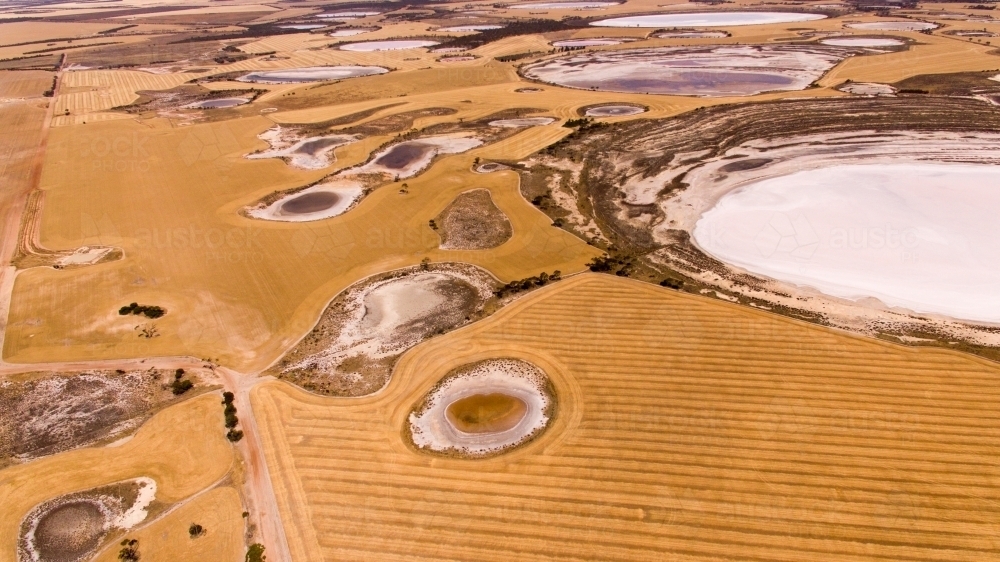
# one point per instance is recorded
(196, 530)
(129, 551)
(256, 553)
(149, 311)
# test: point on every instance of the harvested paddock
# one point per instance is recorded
(688, 429)
(472, 222)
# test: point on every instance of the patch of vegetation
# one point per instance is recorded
(149, 311)
(229, 411)
(195, 530)
(256, 553)
(129, 551)
(52, 89)
(528, 283)
(180, 384)
(954, 84)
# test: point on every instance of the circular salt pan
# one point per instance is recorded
(371, 46)
(311, 74)
(217, 103)
(862, 42)
(562, 5)
(586, 42)
(922, 236)
(614, 111)
(893, 26)
(705, 19)
(315, 203)
(523, 122)
(464, 28)
(303, 26)
(483, 409)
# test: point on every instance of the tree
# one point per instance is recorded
(256, 553)
(196, 530)
(129, 551)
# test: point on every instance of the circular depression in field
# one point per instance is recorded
(597, 42)
(484, 408)
(922, 236)
(735, 70)
(311, 74)
(614, 111)
(395, 45)
(706, 19)
(893, 26)
(862, 42)
(562, 5)
(221, 103)
(70, 531)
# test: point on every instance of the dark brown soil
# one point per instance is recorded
(69, 531)
(955, 84)
(473, 222)
(310, 203)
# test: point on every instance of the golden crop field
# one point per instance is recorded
(183, 448)
(686, 429)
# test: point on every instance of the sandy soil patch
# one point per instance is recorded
(309, 153)
(364, 330)
(483, 409)
(868, 89)
(473, 222)
(701, 71)
(71, 528)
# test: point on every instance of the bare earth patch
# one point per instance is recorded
(473, 222)
(364, 330)
(48, 413)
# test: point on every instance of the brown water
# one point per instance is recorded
(310, 203)
(402, 155)
(486, 413)
(69, 531)
(314, 146)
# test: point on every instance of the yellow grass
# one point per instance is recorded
(687, 429)
(940, 55)
(24, 31)
(219, 511)
(236, 289)
(89, 91)
(183, 448)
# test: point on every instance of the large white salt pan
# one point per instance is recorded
(862, 42)
(893, 25)
(310, 74)
(310, 153)
(562, 5)
(348, 192)
(917, 235)
(705, 19)
(443, 144)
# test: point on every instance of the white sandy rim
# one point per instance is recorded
(84, 255)
(137, 513)
(868, 89)
(348, 190)
(284, 143)
(432, 429)
(862, 42)
(917, 235)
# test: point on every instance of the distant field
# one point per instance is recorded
(687, 428)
